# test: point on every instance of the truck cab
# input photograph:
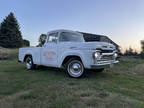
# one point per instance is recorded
(68, 49)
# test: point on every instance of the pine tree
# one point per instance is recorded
(10, 34)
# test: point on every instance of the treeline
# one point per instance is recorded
(132, 52)
(10, 34)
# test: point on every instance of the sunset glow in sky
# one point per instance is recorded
(121, 20)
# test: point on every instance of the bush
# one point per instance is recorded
(26, 43)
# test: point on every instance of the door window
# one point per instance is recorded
(52, 37)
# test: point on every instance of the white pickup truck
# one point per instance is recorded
(68, 49)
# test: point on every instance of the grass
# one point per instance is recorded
(120, 87)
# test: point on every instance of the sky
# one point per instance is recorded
(120, 20)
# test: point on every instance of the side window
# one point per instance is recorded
(52, 37)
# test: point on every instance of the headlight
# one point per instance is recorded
(115, 55)
(96, 55)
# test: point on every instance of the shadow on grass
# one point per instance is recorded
(61, 72)
(96, 74)
(50, 70)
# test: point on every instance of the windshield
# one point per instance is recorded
(71, 37)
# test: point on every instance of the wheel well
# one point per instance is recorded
(27, 56)
(69, 57)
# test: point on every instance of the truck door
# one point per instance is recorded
(49, 51)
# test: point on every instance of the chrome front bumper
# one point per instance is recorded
(103, 64)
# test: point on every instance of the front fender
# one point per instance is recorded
(71, 53)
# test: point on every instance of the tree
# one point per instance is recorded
(26, 43)
(10, 34)
(135, 52)
(130, 51)
(42, 39)
(142, 47)
(126, 52)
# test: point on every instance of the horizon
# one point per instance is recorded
(122, 21)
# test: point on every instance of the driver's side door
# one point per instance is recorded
(49, 51)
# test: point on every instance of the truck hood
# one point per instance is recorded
(89, 45)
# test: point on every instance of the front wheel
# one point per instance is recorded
(74, 68)
(29, 63)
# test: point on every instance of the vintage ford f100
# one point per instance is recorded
(68, 49)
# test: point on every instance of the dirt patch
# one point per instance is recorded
(7, 101)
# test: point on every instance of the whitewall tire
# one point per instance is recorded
(74, 68)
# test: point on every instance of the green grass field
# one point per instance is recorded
(120, 87)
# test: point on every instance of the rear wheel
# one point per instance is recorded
(74, 68)
(29, 63)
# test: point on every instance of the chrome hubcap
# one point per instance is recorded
(75, 69)
(28, 64)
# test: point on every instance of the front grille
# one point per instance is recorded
(106, 51)
(107, 57)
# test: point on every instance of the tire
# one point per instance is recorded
(74, 68)
(29, 63)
